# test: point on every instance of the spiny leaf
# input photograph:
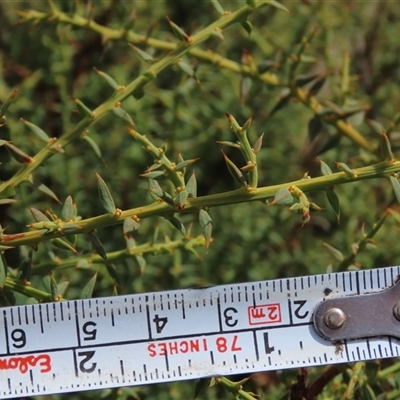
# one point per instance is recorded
(87, 291)
(154, 186)
(230, 144)
(315, 128)
(282, 102)
(155, 190)
(376, 126)
(218, 34)
(68, 211)
(334, 202)
(206, 225)
(93, 145)
(177, 224)
(325, 169)
(296, 207)
(42, 188)
(138, 93)
(130, 242)
(396, 187)
(301, 80)
(257, 145)
(191, 186)
(317, 86)
(359, 118)
(31, 300)
(184, 164)
(97, 245)
(142, 263)
(7, 201)
(68, 229)
(179, 32)
(112, 271)
(115, 290)
(142, 54)
(130, 21)
(82, 109)
(266, 65)
(6, 104)
(386, 148)
(187, 69)
(38, 215)
(235, 171)
(121, 113)
(105, 196)
(153, 175)
(153, 167)
(201, 386)
(17, 154)
(62, 287)
(41, 134)
(62, 244)
(282, 196)
(217, 7)
(53, 288)
(247, 26)
(161, 194)
(83, 263)
(233, 123)
(9, 191)
(336, 253)
(180, 199)
(181, 160)
(130, 225)
(108, 79)
(277, 5)
(245, 85)
(345, 81)
(346, 169)
(247, 124)
(307, 59)
(3, 271)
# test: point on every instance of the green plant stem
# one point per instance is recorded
(154, 248)
(350, 259)
(384, 373)
(234, 388)
(325, 182)
(269, 78)
(135, 87)
(18, 286)
(343, 127)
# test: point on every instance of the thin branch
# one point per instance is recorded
(325, 182)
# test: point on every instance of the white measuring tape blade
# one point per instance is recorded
(176, 335)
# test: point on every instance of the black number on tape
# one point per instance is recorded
(19, 338)
(300, 304)
(88, 355)
(89, 330)
(228, 315)
(160, 322)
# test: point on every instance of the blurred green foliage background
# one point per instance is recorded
(50, 63)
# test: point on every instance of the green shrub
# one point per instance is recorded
(115, 174)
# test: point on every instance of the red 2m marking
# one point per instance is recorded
(264, 314)
(24, 363)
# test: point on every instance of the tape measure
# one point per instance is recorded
(185, 334)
